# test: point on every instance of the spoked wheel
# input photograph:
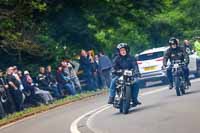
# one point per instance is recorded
(126, 101)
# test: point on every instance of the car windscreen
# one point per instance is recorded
(150, 56)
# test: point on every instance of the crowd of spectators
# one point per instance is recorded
(19, 89)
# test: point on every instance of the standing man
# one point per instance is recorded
(87, 70)
(105, 66)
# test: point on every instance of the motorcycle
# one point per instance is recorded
(122, 100)
(178, 76)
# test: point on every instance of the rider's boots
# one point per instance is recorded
(110, 100)
(170, 86)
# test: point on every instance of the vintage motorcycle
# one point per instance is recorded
(123, 95)
(179, 78)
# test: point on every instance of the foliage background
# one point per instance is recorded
(41, 32)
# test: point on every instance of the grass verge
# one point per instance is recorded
(35, 110)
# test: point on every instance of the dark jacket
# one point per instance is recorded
(125, 62)
(12, 79)
(43, 81)
(188, 49)
(85, 65)
(59, 77)
(50, 77)
(175, 54)
(94, 67)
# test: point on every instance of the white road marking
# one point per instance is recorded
(74, 125)
(89, 121)
(93, 113)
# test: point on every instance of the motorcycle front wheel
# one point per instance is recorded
(126, 100)
(177, 85)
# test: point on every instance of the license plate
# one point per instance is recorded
(149, 68)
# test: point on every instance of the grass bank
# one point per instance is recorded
(35, 110)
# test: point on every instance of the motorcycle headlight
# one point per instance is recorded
(128, 73)
(176, 66)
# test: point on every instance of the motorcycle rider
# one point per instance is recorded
(121, 62)
(176, 52)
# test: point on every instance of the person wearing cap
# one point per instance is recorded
(175, 52)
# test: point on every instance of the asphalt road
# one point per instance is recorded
(161, 111)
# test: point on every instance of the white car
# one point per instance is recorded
(150, 64)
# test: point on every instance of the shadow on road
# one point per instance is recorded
(192, 92)
(141, 108)
(157, 83)
(152, 85)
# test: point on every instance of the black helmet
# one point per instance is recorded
(123, 45)
(173, 40)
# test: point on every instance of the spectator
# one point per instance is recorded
(105, 66)
(44, 83)
(15, 91)
(74, 77)
(52, 81)
(6, 101)
(64, 80)
(17, 74)
(87, 69)
(94, 69)
(29, 93)
(98, 74)
(45, 96)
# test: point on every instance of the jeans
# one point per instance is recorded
(77, 84)
(106, 77)
(88, 77)
(55, 90)
(170, 76)
(70, 88)
(135, 89)
(18, 100)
